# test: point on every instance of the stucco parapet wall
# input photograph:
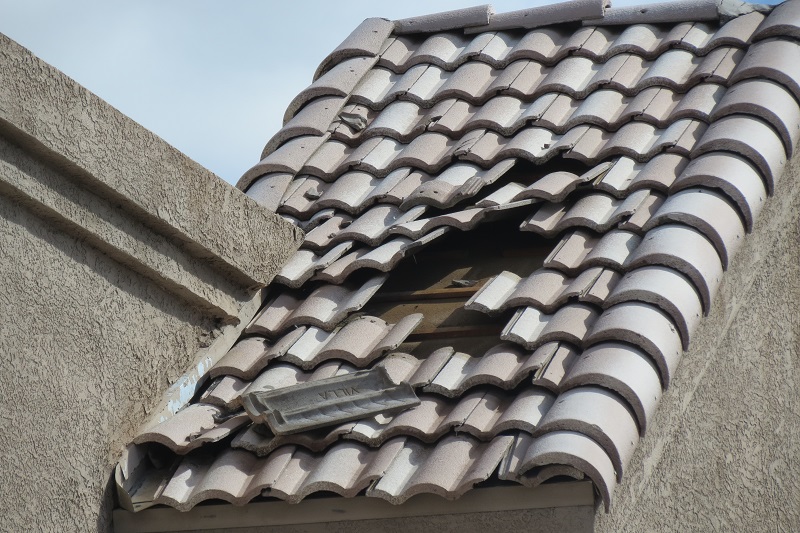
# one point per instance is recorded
(131, 194)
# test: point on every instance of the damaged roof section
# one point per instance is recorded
(518, 218)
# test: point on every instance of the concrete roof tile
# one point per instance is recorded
(366, 40)
(645, 209)
(738, 31)
(686, 250)
(225, 392)
(750, 137)
(546, 15)
(733, 175)
(251, 354)
(339, 80)
(192, 427)
(267, 189)
(644, 326)
(349, 193)
(445, 50)
(448, 469)
(320, 236)
(531, 328)
(569, 448)
(599, 414)
(665, 288)
(358, 342)
(304, 263)
(707, 211)
(771, 59)
(313, 119)
(324, 307)
(768, 101)
(680, 11)
(624, 369)
(784, 21)
(446, 20)
(612, 249)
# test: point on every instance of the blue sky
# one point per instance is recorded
(210, 77)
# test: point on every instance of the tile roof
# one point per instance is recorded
(660, 131)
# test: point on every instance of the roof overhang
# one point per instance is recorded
(579, 494)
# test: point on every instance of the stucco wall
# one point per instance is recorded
(77, 370)
(122, 264)
(723, 453)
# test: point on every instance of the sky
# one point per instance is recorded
(211, 77)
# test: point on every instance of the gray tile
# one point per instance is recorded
(324, 308)
(191, 427)
(771, 59)
(447, 20)
(665, 288)
(328, 402)
(644, 326)
(599, 414)
(340, 80)
(531, 328)
(569, 448)
(251, 354)
(707, 211)
(748, 137)
(449, 469)
(767, 101)
(731, 174)
(359, 342)
(686, 250)
(624, 369)
(784, 21)
(546, 15)
(366, 40)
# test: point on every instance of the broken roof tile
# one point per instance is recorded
(324, 308)
(531, 328)
(192, 427)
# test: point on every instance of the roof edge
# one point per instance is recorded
(680, 11)
(446, 20)
(335, 509)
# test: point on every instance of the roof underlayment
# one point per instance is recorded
(638, 144)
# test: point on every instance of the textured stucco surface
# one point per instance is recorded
(122, 262)
(87, 346)
(121, 160)
(723, 451)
